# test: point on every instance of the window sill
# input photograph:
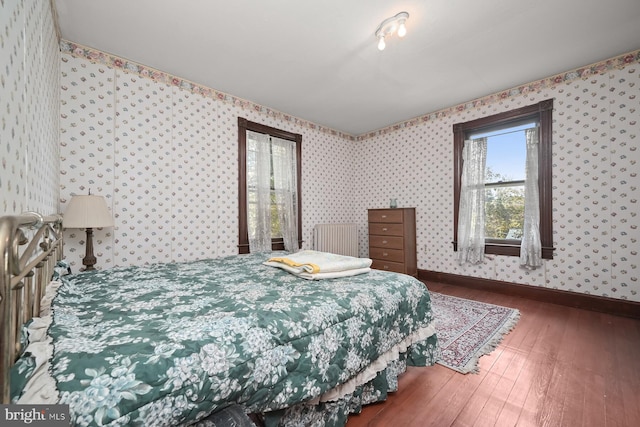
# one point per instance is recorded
(276, 245)
(508, 248)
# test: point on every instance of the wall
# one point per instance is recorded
(29, 108)
(595, 180)
(163, 151)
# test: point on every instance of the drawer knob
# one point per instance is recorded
(384, 242)
(385, 254)
(384, 229)
(384, 216)
(386, 267)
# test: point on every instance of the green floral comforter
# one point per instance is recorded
(168, 344)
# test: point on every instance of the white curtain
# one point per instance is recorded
(285, 186)
(530, 246)
(259, 191)
(471, 209)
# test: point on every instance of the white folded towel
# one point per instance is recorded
(315, 265)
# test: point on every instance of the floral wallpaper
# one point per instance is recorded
(162, 150)
(174, 169)
(29, 108)
(595, 180)
(165, 157)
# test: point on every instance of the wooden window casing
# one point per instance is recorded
(243, 231)
(542, 114)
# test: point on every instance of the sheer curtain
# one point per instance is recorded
(471, 210)
(285, 185)
(259, 191)
(530, 246)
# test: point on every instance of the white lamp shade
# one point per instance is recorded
(87, 212)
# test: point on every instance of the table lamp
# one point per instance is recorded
(88, 212)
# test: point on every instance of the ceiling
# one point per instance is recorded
(318, 60)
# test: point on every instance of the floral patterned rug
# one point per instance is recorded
(469, 329)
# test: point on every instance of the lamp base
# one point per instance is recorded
(89, 259)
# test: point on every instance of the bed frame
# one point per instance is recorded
(31, 245)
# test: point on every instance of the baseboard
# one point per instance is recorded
(613, 306)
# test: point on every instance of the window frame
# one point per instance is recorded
(243, 228)
(542, 113)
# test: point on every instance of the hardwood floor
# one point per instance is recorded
(560, 366)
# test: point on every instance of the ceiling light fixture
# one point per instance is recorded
(390, 26)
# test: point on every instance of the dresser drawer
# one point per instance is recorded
(385, 215)
(386, 229)
(383, 254)
(396, 267)
(392, 240)
(389, 242)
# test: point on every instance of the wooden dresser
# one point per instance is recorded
(392, 240)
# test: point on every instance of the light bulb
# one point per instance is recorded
(381, 43)
(402, 30)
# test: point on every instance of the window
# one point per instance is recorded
(252, 138)
(504, 183)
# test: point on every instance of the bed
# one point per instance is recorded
(180, 343)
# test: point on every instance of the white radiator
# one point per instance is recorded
(341, 239)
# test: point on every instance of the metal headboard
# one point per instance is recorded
(24, 274)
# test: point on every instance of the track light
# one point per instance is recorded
(390, 26)
(402, 29)
(381, 43)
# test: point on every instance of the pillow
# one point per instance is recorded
(62, 268)
(30, 378)
(20, 374)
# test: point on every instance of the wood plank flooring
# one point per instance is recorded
(560, 366)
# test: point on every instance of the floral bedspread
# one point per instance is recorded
(169, 344)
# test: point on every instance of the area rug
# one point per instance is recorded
(469, 329)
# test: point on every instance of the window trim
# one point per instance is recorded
(542, 113)
(243, 230)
